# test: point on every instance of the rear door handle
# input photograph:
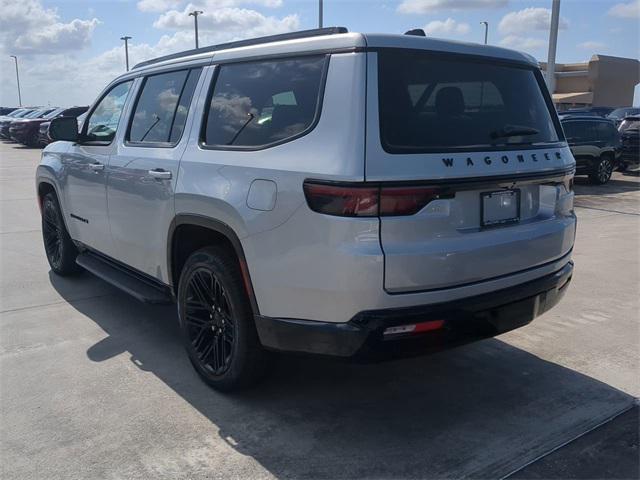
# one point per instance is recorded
(96, 167)
(160, 174)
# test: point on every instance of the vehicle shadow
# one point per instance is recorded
(482, 410)
(619, 183)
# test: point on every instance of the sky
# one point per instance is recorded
(68, 50)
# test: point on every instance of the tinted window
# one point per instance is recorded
(257, 104)
(580, 131)
(429, 103)
(605, 132)
(102, 124)
(162, 107)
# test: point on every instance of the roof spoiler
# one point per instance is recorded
(316, 32)
(417, 32)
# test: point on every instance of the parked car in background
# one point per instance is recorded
(5, 125)
(27, 131)
(20, 112)
(286, 196)
(5, 110)
(589, 111)
(595, 144)
(42, 137)
(620, 114)
(630, 138)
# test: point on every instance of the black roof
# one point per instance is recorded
(316, 32)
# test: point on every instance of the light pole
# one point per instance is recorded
(17, 80)
(320, 13)
(553, 43)
(486, 31)
(126, 49)
(195, 14)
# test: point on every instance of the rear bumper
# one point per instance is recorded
(464, 320)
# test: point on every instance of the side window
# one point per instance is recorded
(606, 132)
(571, 131)
(102, 124)
(261, 103)
(162, 106)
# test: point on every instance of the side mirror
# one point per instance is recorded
(64, 128)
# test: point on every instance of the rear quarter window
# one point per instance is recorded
(259, 104)
(431, 102)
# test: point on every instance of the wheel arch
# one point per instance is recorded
(215, 232)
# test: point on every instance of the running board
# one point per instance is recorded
(121, 277)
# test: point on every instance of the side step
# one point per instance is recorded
(121, 277)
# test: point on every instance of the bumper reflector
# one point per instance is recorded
(415, 328)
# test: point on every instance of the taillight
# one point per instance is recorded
(405, 200)
(367, 201)
(343, 201)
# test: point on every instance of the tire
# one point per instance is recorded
(60, 250)
(216, 321)
(602, 171)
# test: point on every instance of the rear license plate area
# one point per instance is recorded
(501, 207)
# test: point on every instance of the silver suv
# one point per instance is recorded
(322, 192)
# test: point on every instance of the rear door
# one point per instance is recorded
(144, 170)
(475, 145)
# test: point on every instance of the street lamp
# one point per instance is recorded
(17, 80)
(195, 14)
(486, 31)
(126, 49)
(320, 14)
(553, 43)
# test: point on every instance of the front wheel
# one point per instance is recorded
(58, 246)
(217, 323)
(602, 171)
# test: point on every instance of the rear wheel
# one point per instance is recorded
(602, 171)
(58, 246)
(217, 323)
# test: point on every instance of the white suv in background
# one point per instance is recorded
(323, 192)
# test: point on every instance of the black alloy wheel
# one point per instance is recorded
(603, 171)
(208, 318)
(59, 248)
(216, 320)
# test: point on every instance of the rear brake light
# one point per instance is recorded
(367, 201)
(405, 200)
(343, 201)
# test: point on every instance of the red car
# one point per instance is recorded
(26, 131)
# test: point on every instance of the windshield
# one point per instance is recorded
(619, 113)
(37, 113)
(431, 103)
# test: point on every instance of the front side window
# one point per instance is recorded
(261, 103)
(161, 110)
(433, 103)
(102, 124)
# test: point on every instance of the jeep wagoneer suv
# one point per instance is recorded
(322, 192)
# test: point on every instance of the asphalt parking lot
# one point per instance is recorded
(94, 384)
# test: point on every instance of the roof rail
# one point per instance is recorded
(316, 32)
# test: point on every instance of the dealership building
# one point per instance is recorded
(603, 81)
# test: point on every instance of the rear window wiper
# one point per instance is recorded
(513, 131)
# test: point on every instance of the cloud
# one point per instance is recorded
(66, 79)
(429, 6)
(27, 27)
(625, 10)
(522, 43)
(527, 20)
(446, 27)
(229, 21)
(211, 5)
(157, 5)
(592, 45)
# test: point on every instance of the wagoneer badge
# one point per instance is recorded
(520, 158)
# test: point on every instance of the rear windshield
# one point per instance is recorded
(430, 103)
